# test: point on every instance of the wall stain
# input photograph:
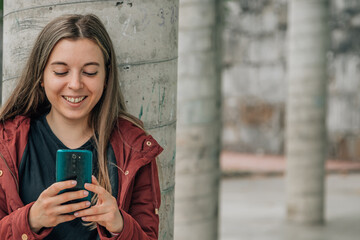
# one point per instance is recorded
(161, 102)
(174, 157)
(153, 87)
(161, 15)
(141, 112)
(126, 26)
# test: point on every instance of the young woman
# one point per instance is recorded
(68, 97)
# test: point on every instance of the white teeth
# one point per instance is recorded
(74, 100)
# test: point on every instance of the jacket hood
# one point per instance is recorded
(13, 127)
(14, 135)
(136, 139)
(137, 142)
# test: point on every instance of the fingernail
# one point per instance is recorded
(86, 193)
(76, 214)
(73, 182)
(87, 204)
(83, 218)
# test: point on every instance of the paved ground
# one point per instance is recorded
(254, 209)
(238, 164)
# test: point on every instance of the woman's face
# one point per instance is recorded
(74, 79)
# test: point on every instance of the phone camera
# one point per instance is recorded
(73, 156)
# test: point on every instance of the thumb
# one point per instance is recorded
(94, 180)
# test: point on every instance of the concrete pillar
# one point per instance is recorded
(145, 35)
(199, 121)
(1, 46)
(306, 110)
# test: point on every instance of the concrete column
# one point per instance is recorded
(199, 121)
(306, 110)
(145, 35)
(1, 46)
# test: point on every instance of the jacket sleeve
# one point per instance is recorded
(141, 222)
(16, 225)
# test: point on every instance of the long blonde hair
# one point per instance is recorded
(29, 99)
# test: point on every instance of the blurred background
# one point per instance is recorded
(255, 80)
(254, 77)
(286, 126)
(266, 103)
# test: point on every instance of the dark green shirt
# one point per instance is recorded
(37, 172)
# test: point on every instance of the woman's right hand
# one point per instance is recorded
(48, 211)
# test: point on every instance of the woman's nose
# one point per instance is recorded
(75, 81)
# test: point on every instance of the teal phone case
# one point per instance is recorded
(74, 165)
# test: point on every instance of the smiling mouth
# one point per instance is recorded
(74, 99)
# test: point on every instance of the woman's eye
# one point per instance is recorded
(90, 73)
(60, 73)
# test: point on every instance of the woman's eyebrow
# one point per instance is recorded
(58, 63)
(64, 64)
(91, 63)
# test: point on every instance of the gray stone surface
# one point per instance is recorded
(254, 209)
(254, 76)
(255, 67)
(198, 126)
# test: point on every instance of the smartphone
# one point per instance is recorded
(74, 165)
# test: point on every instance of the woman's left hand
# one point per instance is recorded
(106, 212)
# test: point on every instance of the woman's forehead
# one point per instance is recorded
(81, 51)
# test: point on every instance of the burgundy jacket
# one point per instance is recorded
(138, 194)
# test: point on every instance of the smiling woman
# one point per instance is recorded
(74, 80)
(69, 97)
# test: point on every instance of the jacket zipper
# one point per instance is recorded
(12, 174)
(153, 188)
(152, 185)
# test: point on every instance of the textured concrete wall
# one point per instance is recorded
(344, 81)
(308, 44)
(1, 48)
(198, 127)
(254, 77)
(145, 39)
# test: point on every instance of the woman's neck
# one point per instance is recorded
(73, 134)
